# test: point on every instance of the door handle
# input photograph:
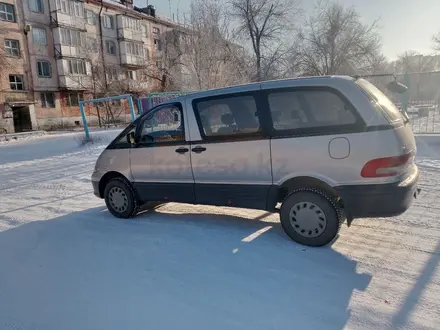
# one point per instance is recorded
(198, 149)
(182, 150)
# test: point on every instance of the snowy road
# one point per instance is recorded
(66, 263)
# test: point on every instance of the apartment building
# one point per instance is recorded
(63, 51)
(17, 110)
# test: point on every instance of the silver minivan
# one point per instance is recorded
(318, 150)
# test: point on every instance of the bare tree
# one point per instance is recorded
(411, 61)
(436, 40)
(209, 59)
(423, 84)
(335, 41)
(102, 80)
(162, 68)
(267, 25)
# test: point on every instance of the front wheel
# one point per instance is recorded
(120, 198)
(311, 217)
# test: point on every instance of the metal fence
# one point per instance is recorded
(424, 116)
(422, 98)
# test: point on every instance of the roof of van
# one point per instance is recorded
(225, 90)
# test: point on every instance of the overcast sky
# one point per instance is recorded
(405, 24)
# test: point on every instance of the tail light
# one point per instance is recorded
(389, 166)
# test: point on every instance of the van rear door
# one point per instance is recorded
(396, 118)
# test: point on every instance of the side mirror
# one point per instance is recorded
(396, 87)
(131, 138)
(176, 117)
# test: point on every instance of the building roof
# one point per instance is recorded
(129, 10)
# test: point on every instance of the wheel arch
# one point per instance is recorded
(291, 184)
(106, 178)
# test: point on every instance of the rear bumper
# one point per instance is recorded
(380, 200)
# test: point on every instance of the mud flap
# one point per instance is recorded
(349, 218)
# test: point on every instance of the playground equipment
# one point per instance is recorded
(127, 97)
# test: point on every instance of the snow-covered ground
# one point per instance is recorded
(66, 263)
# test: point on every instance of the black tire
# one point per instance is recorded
(325, 217)
(125, 190)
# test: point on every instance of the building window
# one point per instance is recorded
(131, 23)
(16, 82)
(73, 99)
(112, 74)
(63, 6)
(145, 31)
(135, 49)
(158, 45)
(74, 8)
(39, 36)
(90, 17)
(36, 6)
(12, 47)
(47, 100)
(77, 8)
(110, 47)
(131, 75)
(107, 21)
(156, 30)
(44, 69)
(71, 37)
(7, 12)
(92, 44)
(77, 66)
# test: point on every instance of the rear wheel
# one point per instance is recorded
(120, 198)
(311, 217)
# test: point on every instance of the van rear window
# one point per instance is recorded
(380, 101)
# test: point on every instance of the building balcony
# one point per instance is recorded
(59, 19)
(137, 85)
(133, 60)
(128, 34)
(69, 51)
(75, 82)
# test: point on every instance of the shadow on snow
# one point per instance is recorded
(88, 270)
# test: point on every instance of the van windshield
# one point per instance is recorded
(380, 100)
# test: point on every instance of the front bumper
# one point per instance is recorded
(96, 178)
(95, 185)
(380, 200)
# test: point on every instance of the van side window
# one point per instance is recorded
(122, 141)
(308, 109)
(163, 125)
(228, 116)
